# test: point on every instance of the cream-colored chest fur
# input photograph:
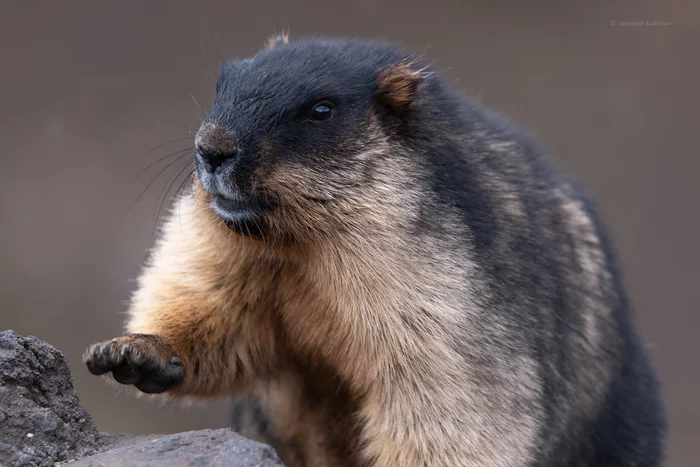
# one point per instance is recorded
(386, 313)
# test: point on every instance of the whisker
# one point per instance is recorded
(181, 195)
(198, 105)
(181, 126)
(165, 144)
(181, 151)
(169, 182)
(145, 190)
(222, 57)
(189, 62)
(179, 172)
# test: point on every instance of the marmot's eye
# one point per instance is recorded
(321, 111)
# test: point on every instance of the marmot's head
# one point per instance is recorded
(298, 137)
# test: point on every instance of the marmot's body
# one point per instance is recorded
(394, 275)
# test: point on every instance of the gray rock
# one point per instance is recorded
(221, 447)
(42, 423)
(41, 418)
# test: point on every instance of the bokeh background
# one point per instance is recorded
(88, 88)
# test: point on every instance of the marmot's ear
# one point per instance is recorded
(398, 84)
(277, 39)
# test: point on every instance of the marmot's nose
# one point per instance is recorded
(214, 157)
(214, 145)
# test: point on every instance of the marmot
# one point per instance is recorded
(394, 275)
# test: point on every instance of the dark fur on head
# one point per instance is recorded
(315, 174)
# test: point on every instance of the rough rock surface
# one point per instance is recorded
(41, 418)
(42, 423)
(193, 448)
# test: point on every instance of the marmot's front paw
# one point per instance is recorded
(145, 361)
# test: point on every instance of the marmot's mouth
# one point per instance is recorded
(243, 214)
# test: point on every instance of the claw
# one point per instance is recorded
(137, 360)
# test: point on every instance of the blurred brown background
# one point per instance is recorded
(88, 87)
